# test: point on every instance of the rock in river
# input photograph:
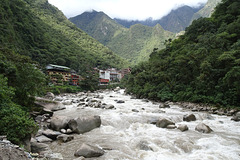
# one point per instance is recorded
(189, 118)
(201, 127)
(84, 124)
(163, 123)
(59, 122)
(88, 151)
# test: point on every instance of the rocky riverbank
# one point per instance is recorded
(60, 129)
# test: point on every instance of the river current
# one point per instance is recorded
(126, 134)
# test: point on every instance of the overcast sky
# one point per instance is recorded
(124, 9)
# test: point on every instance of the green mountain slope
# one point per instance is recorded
(39, 30)
(98, 25)
(203, 65)
(134, 43)
(137, 42)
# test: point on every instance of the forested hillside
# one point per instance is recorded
(203, 65)
(33, 34)
(134, 43)
(39, 30)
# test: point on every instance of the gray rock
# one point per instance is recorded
(58, 99)
(9, 151)
(43, 139)
(164, 105)
(65, 138)
(54, 156)
(48, 104)
(39, 118)
(79, 158)
(47, 111)
(109, 106)
(63, 131)
(50, 95)
(37, 147)
(183, 127)
(163, 123)
(59, 122)
(88, 151)
(51, 134)
(120, 101)
(135, 110)
(236, 117)
(84, 124)
(144, 145)
(67, 102)
(201, 127)
(189, 118)
(58, 106)
(171, 126)
(69, 131)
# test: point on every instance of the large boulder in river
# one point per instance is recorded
(189, 118)
(59, 122)
(163, 123)
(84, 124)
(201, 127)
(88, 151)
(49, 104)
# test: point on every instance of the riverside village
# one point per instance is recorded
(61, 74)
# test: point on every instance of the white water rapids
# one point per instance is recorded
(128, 135)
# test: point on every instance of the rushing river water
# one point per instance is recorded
(128, 135)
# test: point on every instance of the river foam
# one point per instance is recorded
(128, 135)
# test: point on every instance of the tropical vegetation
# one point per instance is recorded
(203, 65)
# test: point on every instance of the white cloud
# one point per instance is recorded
(124, 9)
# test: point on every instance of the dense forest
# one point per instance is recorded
(34, 33)
(203, 65)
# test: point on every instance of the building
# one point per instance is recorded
(60, 74)
(75, 79)
(104, 77)
(113, 74)
(109, 75)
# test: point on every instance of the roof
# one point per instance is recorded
(52, 66)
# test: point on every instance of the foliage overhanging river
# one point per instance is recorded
(128, 135)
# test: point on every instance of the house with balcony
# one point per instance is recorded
(62, 74)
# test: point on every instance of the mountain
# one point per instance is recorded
(39, 30)
(137, 42)
(134, 43)
(177, 20)
(98, 25)
(201, 66)
(207, 10)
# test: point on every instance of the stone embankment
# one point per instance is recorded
(211, 109)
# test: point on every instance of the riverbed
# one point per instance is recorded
(126, 132)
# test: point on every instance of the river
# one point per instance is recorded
(128, 135)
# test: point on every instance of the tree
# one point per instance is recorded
(14, 122)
